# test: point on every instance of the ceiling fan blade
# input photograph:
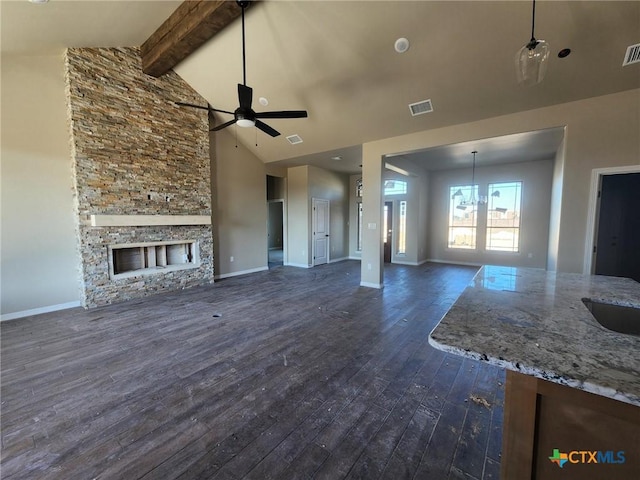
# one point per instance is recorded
(224, 125)
(283, 114)
(221, 111)
(211, 109)
(267, 129)
(182, 104)
(245, 96)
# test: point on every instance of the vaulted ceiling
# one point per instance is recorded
(337, 60)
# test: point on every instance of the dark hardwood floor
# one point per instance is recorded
(284, 374)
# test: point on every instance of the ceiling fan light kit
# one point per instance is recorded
(531, 60)
(244, 116)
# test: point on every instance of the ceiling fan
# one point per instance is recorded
(244, 115)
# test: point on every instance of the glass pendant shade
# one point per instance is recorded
(531, 62)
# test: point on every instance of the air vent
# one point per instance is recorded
(294, 139)
(632, 55)
(419, 108)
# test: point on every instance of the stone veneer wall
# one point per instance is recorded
(135, 152)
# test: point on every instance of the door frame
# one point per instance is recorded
(390, 227)
(593, 211)
(284, 229)
(314, 200)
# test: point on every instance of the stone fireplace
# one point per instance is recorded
(141, 177)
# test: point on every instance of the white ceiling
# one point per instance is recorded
(336, 60)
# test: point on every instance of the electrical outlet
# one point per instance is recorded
(231, 259)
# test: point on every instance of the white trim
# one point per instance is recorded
(40, 310)
(147, 220)
(453, 262)
(299, 265)
(341, 259)
(411, 264)
(372, 285)
(596, 174)
(242, 272)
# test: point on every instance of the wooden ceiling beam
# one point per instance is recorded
(189, 26)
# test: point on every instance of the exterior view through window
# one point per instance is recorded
(463, 216)
(402, 228)
(503, 216)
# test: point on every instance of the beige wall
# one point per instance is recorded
(600, 132)
(239, 190)
(303, 184)
(39, 260)
(334, 187)
(536, 180)
(555, 208)
(424, 218)
(298, 219)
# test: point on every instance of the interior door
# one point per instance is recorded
(618, 240)
(320, 227)
(387, 231)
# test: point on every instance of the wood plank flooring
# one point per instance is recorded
(284, 374)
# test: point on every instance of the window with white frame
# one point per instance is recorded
(359, 245)
(503, 216)
(463, 216)
(395, 187)
(402, 228)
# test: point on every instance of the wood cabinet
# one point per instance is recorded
(541, 417)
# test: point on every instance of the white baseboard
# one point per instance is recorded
(38, 311)
(242, 272)
(452, 262)
(411, 264)
(341, 259)
(351, 257)
(371, 285)
(299, 265)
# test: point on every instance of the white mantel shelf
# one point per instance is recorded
(148, 220)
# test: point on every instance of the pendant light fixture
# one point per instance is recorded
(471, 201)
(531, 60)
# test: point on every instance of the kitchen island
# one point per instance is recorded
(573, 385)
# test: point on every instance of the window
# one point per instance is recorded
(359, 188)
(359, 246)
(395, 187)
(463, 218)
(503, 216)
(402, 228)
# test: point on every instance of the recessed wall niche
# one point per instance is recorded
(152, 258)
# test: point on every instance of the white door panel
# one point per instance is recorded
(320, 231)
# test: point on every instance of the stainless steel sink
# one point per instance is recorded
(615, 317)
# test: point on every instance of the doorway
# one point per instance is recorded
(387, 230)
(275, 233)
(617, 241)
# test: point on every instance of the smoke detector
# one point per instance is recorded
(401, 45)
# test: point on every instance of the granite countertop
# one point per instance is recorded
(534, 322)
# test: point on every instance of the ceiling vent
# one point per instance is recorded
(632, 55)
(419, 108)
(294, 139)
